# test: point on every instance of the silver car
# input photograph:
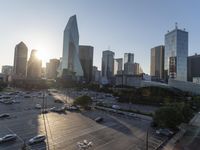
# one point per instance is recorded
(37, 139)
(9, 137)
(5, 115)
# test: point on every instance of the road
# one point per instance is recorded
(63, 131)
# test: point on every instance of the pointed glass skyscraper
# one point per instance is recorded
(70, 57)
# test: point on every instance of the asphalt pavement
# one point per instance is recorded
(64, 130)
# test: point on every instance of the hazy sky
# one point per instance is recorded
(123, 25)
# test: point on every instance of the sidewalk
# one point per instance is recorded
(172, 142)
(184, 142)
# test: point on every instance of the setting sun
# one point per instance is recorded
(43, 55)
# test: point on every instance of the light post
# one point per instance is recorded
(147, 136)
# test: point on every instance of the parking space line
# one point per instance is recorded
(17, 136)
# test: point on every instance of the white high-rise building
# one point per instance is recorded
(118, 63)
(70, 57)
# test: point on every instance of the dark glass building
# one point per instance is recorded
(193, 68)
(176, 53)
(86, 59)
(20, 60)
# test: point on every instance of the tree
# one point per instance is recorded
(2, 85)
(187, 113)
(168, 117)
(84, 101)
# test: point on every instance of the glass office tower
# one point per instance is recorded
(176, 52)
(70, 56)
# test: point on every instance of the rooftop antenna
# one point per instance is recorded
(176, 25)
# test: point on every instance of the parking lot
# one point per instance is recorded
(64, 130)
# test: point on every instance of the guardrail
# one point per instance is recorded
(130, 114)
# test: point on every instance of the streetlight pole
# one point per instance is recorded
(147, 136)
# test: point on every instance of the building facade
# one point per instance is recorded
(86, 59)
(70, 56)
(128, 80)
(129, 68)
(137, 69)
(118, 64)
(176, 53)
(193, 68)
(51, 68)
(34, 66)
(20, 61)
(96, 74)
(7, 69)
(129, 63)
(157, 62)
(107, 66)
(128, 57)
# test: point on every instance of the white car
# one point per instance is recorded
(84, 145)
(37, 139)
(165, 132)
(115, 107)
(9, 137)
(38, 106)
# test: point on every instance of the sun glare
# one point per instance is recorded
(43, 56)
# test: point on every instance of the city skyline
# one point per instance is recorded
(44, 32)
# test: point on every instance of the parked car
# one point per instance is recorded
(164, 132)
(58, 101)
(5, 115)
(7, 101)
(9, 137)
(59, 110)
(37, 139)
(6, 97)
(73, 108)
(115, 107)
(15, 101)
(38, 106)
(27, 96)
(98, 119)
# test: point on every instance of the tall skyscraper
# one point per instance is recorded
(157, 62)
(107, 66)
(70, 56)
(128, 57)
(118, 63)
(176, 52)
(86, 59)
(20, 60)
(51, 68)
(193, 67)
(34, 66)
(129, 63)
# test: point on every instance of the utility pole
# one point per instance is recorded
(147, 136)
(43, 113)
(24, 146)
